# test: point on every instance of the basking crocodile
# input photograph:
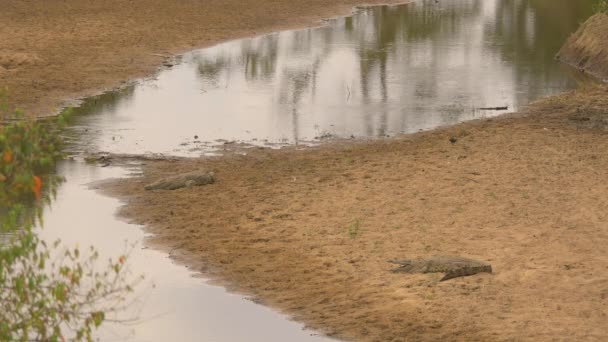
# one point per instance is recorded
(185, 180)
(453, 267)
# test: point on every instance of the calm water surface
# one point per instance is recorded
(384, 71)
(171, 304)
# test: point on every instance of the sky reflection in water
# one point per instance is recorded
(384, 71)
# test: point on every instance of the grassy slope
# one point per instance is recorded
(587, 49)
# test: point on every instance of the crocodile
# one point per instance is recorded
(452, 267)
(186, 180)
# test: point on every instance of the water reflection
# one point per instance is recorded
(178, 307)
(384, 71)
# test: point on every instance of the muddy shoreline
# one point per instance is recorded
(56, 53)
(308, 232)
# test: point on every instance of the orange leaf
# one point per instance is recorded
(8, 156)
(37, 186)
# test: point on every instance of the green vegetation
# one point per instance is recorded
(354, 229)
(601, 6)
(47, 292)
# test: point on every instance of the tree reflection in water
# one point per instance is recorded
(399, 68)
(385, 70)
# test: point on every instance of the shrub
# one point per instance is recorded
(47, 292)
(601, 6)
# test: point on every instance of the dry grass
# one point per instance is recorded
(587, 49)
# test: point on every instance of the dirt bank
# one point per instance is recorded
(310, 231)
(587, 49)
(52, 51)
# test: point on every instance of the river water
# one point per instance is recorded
(382, 72)
(170, 304)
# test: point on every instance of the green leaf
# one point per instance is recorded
(98, 318)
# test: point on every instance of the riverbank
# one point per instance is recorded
(309, 231)
(587, 49)
(56, 51)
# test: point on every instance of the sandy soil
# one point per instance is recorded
(309, 231)
(52, 51)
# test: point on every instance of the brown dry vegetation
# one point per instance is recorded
(587, 49)
(310, 231)
(52, 51)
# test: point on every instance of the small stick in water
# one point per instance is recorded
(494, 108)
